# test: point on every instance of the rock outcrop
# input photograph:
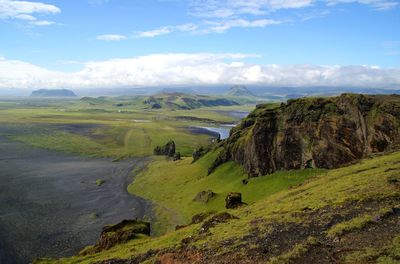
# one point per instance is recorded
(122, 232)
(167, 150)
(204, 196)
(313, 132)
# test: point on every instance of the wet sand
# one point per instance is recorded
(50, 205)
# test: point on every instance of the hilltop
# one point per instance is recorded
(53, 93)
(239, 90)
(185, 101)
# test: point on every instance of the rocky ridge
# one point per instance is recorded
(313, 132)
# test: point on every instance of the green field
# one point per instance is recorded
(107, 130)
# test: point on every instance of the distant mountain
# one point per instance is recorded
(53, 93)
(239, 90)
(185, 101)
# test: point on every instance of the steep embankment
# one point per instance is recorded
(314, 132)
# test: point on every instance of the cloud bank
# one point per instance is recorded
(181, 69)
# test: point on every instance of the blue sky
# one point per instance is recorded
(111, 43)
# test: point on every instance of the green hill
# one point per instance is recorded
(348, 213)
(185, 101)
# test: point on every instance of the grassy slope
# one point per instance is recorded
(366, 180)
(173, 185)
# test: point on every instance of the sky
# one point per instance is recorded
(91, 44)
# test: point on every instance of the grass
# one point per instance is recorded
(173, 185)
(100, 182)
(118, 132)
(295, 252)
(386, 255)
(362, 181)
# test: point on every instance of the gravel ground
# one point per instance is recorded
(50, 204)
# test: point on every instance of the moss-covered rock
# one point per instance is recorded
(204, 196)
(120, 233)
(317, 132)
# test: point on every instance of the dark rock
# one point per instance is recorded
(204, 196)
(156, 106)
(245, 181)
(308, 164)
(167, 150)
(177, 156)
(233, 200)
(313, 132)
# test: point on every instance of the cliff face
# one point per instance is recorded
(318, 132)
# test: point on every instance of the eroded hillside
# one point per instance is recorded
(314, 132)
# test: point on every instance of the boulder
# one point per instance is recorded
(204, 196)
(122, 232)
(233, 200)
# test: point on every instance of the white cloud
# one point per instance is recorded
(167, 30)
(42, 23)
(235, 8)
(193, 69)
(222, 26)
(111, 37)
(155, 32)
(376, 4)
(231, 8)
(26, 11)
(207, 27)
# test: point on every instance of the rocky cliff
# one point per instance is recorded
(317, 132)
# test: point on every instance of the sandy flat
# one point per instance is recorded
(50, 204)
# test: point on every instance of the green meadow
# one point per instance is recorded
(103, 129)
